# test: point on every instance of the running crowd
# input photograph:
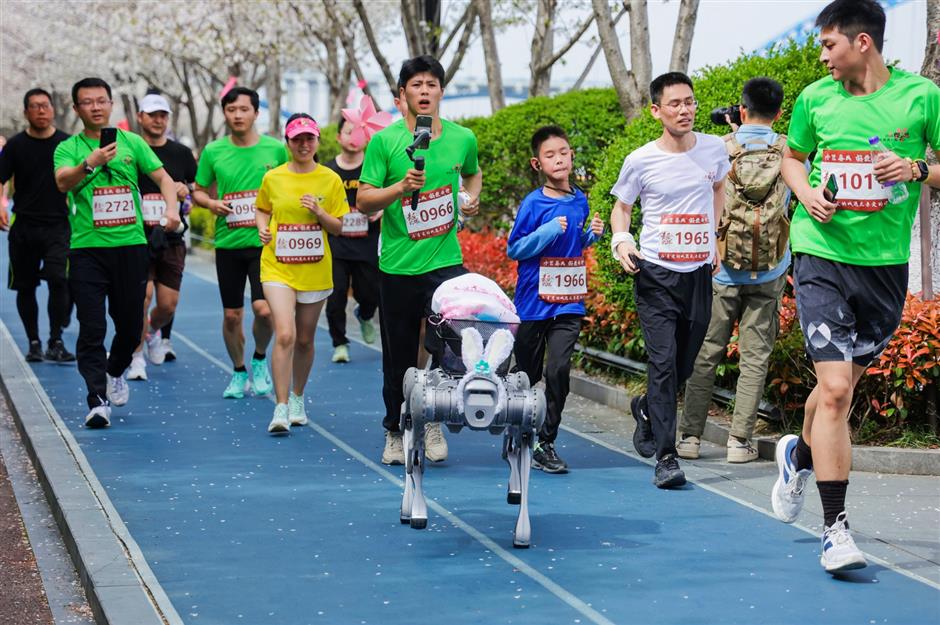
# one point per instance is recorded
(100, 215)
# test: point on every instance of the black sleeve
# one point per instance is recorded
(190, 166)
(7, 158)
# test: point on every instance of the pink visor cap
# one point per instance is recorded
(302, 125)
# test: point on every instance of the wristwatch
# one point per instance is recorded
(88, 168)
(919, 170)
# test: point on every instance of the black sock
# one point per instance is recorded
(832, 495)
(167, 329)
(802, 455)
(258, 356)
(241, 369)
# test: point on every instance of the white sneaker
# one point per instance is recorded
(118, 391)
(435, 445)
(688, 447)
(296, 411)
(138, 368)
(394, 452)
(280, 423)
(99, 416)
(839, 552)
(168, 351)
(787, 496)
(155, 350)
(739, 452)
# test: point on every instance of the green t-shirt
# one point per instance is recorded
(237, 172)
(424, 239)
(905, 115)
(104, 208)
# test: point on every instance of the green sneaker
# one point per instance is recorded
(341, 353)
(295, 409)
(279, 423)
(366, 327)
(260, 378)
(237, 385)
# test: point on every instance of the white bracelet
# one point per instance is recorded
(617, 239)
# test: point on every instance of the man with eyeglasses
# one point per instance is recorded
(39, 237)
(679, 180)
(108, 257)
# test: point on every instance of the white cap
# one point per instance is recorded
(153, 102)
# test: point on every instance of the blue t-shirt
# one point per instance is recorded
(745, 136)
(537, 234)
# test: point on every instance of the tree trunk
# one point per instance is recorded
(275, 91)
(130, 111)
(597, 52)
(543, 42)
(462, 45)
(624, 81)
(685, 28)
(432, 26)
(374, 46)
(494, 77)
(641, 61)
(338, 97)
(411, 24)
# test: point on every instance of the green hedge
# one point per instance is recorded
(794, 66)
(592, 119)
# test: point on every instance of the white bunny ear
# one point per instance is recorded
(498, 348)
(471, 344)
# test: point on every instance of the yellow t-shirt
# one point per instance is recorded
(299, 253)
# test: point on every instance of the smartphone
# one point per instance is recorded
(108, 136)
(423, 125)
(832, 189)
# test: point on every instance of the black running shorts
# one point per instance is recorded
(233, 267)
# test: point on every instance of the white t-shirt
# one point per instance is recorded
(677, 199)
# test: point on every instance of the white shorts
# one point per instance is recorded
(303, 297)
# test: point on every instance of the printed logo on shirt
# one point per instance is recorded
(128, 159)
(456, 168)
(712, 176)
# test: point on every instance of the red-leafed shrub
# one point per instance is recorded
(484, 252)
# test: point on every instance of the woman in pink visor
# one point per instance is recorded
(298, 203)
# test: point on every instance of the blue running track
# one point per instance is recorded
(243, 528)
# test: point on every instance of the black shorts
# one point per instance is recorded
(848, 313)
(38, 251)
(233, 267)
(167, 267)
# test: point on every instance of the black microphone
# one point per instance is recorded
(419, 165)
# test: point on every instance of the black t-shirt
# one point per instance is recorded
(178, 161)
(28, 161)
(354, 248)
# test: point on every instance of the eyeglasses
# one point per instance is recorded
(39, 106)
(676, 105)
(90, 103)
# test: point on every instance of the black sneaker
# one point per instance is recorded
(35, 352)
(643, 440)
(58, 353)
(668, 474)
(545, 458)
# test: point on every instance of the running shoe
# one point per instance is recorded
(689, 446)
(643, 440)
(740, 452)
(168, 350)
(839, 552)
(99, 416)
(280, 424)
(237, 385)
(35, 352)
(56, 352)
(296, 411)
(787, 495)
(668, 474)
(260, 378)
(545, 458)
(155, 351)
(138, 368)
(435, 445)
(340, 353)
(394, 452)
(366, 327)
(118, 390)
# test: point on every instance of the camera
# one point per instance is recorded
(733, 111)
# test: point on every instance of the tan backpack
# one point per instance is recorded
(754, 227)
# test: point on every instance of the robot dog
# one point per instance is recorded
(468, 384)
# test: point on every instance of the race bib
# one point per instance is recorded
(243, 209)
(562, 280)
(355, 224)
(858, 188)
(299, 243)
(152, 206)
(434, 214)
(113, 206)
(685, 238)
